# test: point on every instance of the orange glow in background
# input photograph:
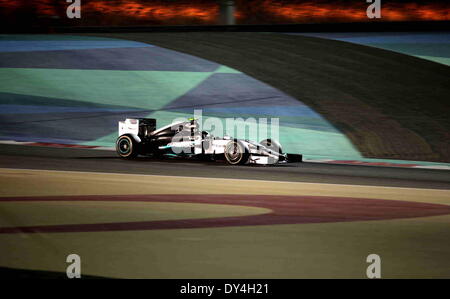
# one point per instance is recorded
(155, 11)
(308, 11)
(124, 12)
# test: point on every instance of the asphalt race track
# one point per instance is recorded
(34, 157)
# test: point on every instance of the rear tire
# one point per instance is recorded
(236, 153)
(127, 147)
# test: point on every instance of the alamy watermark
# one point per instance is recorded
(74, 9)
(251, 129)
(74, 269)
(374, 269)
(374, 10)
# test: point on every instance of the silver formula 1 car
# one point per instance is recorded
(184, 139)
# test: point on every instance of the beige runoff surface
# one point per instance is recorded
(18, 182)
(418, 247)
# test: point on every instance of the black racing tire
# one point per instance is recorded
(127, 147)
(273, 145)
(236, 153)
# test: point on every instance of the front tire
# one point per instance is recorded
(126, 147)
(236, 153)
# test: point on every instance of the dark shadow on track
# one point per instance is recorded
(11, 273)
(194, 160)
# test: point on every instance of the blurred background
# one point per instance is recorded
(47, 13)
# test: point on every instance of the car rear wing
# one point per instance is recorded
(137, 126)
